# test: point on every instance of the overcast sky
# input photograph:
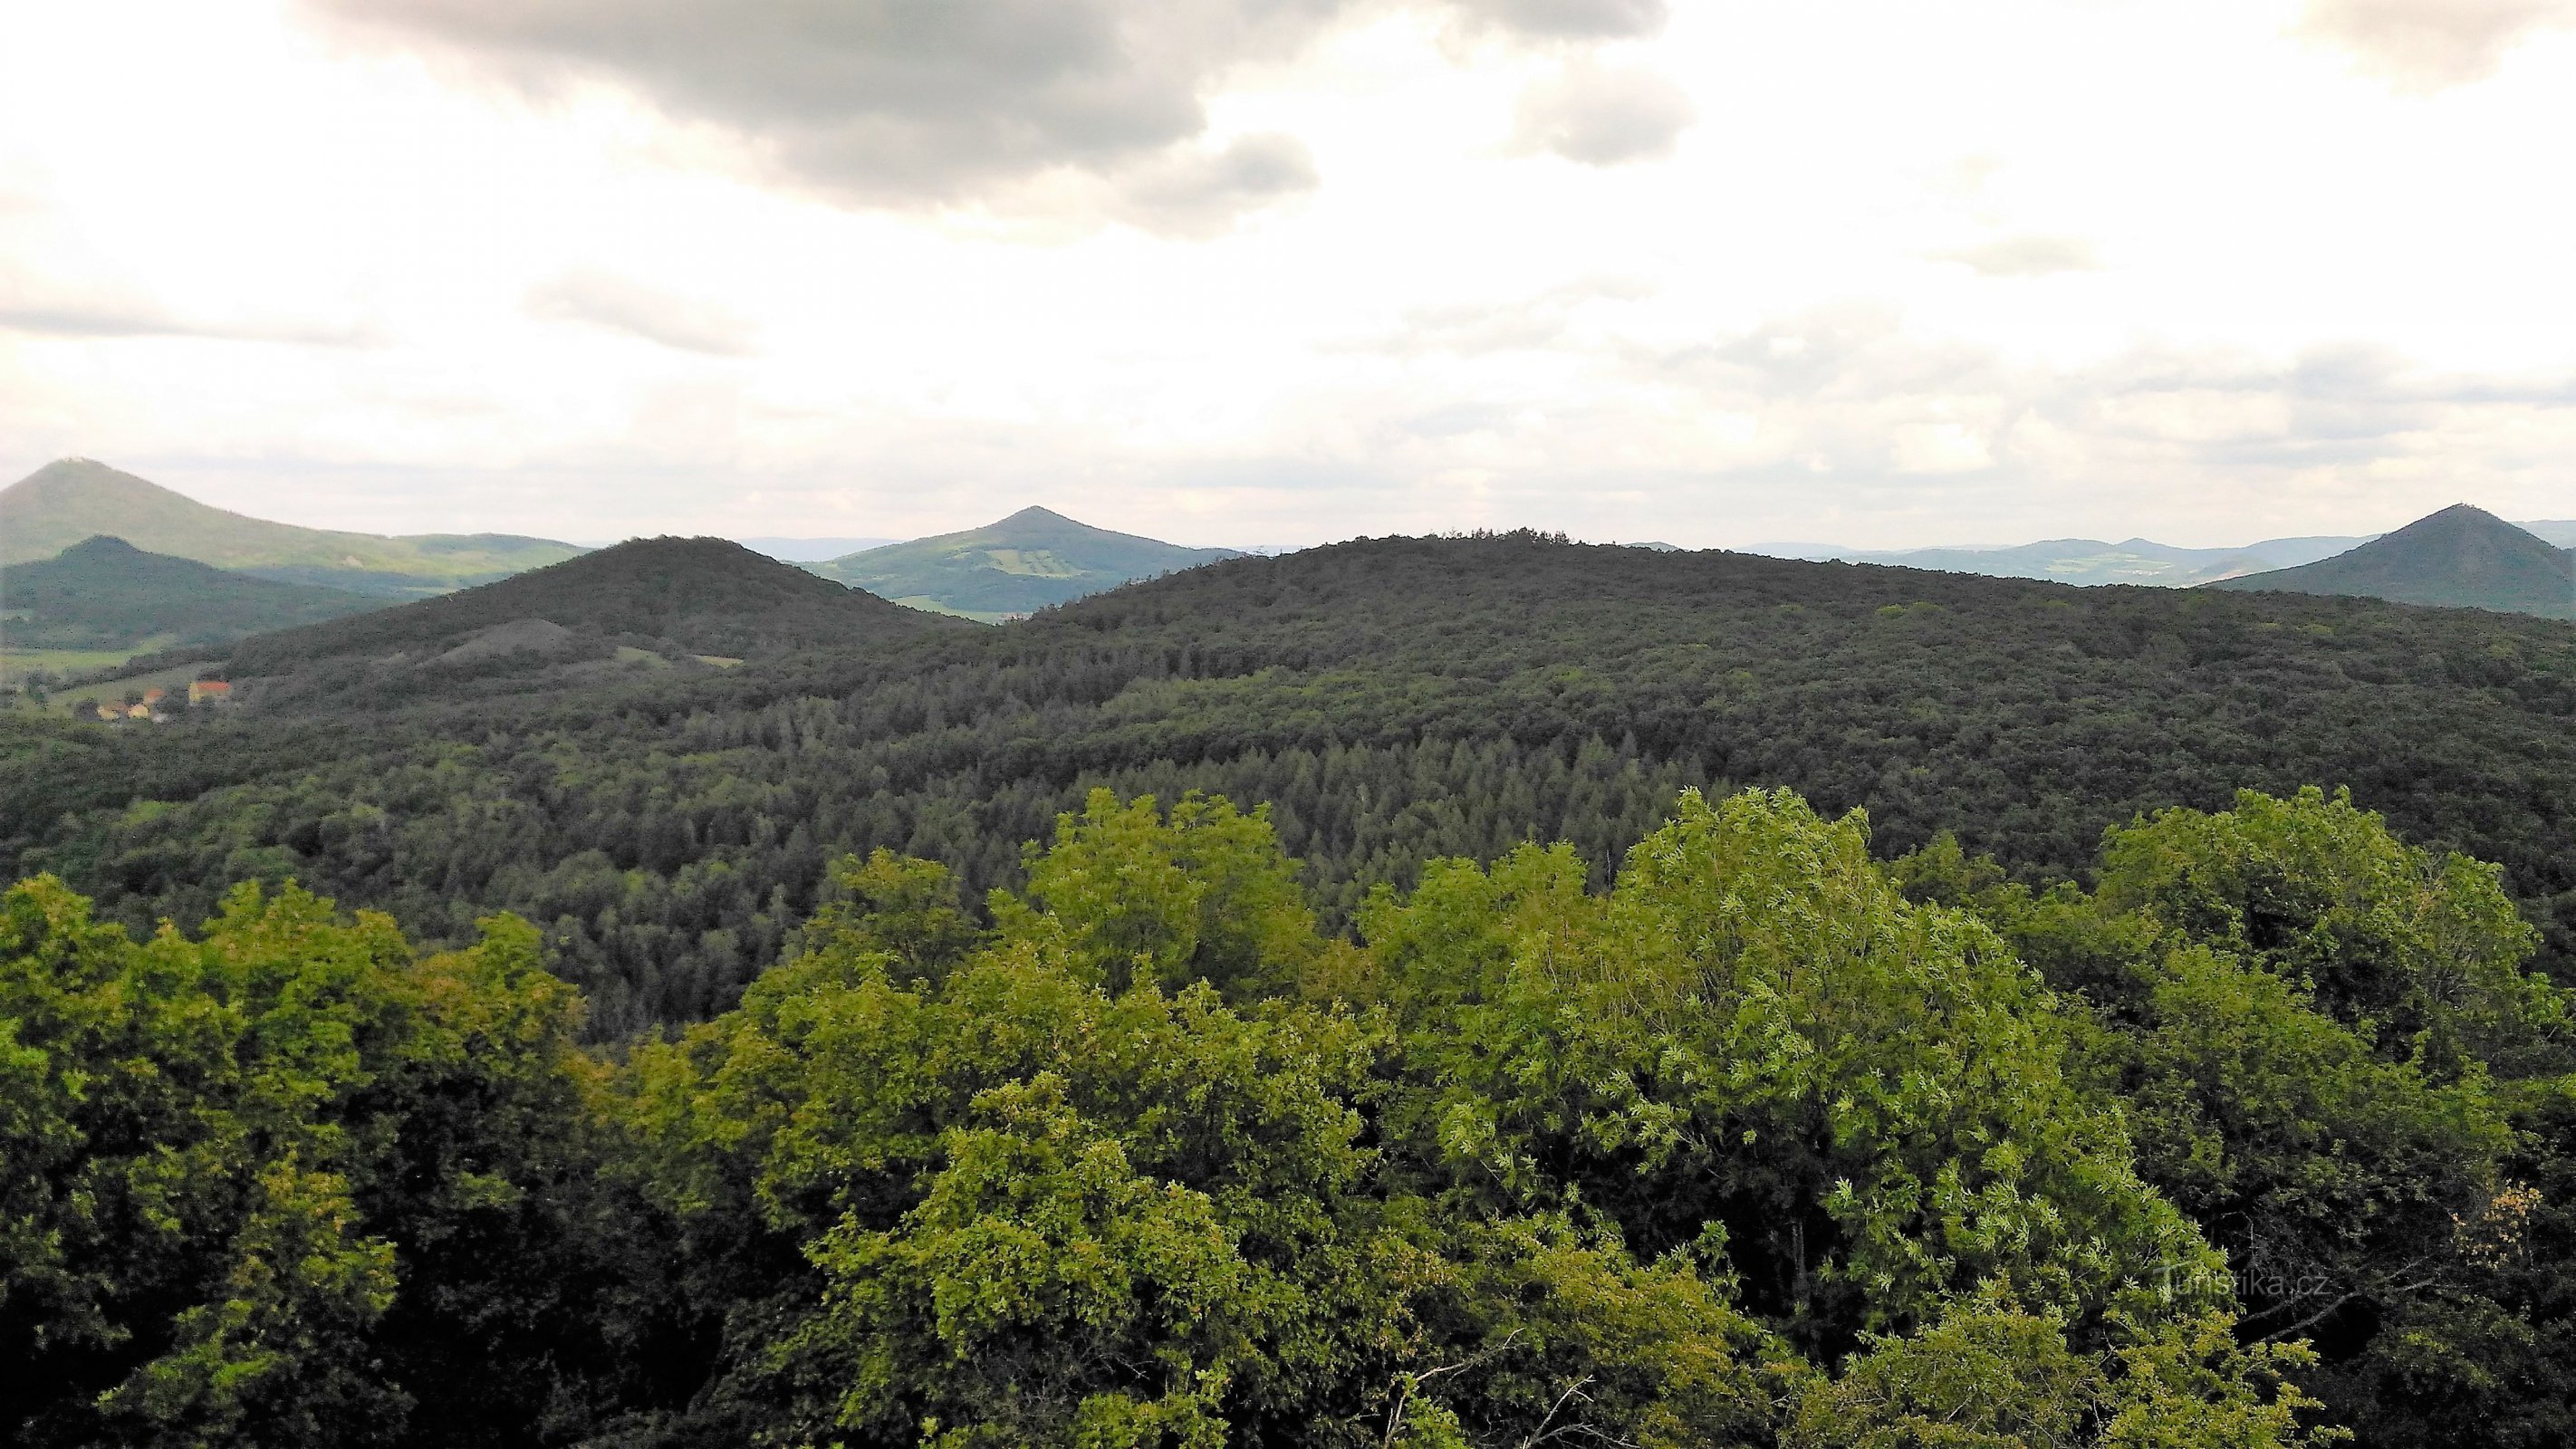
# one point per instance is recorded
(1280, 271)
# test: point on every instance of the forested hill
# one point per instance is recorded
(105, 593)
(1393, 699)
(701, 595)
(2462, 557)
(1032, 560)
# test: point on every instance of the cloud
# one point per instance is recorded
(1848, 393)
(1538, 323)
(1568, 19)
(2427, 45)
(2025, 256)
(48, 309)
(1204, 193)
(620, 304)
(885, 102)
(1602, 116)
(929, 104)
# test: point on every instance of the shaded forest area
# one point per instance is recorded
(1391, 700)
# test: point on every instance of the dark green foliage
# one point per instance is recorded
(1032, 560)
(2461, 557)
(1392, 701)
(108, 594)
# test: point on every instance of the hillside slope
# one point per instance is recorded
(1031, 560)
(105, 593)
(65, 502)
(1393, 699)
(678, 595)
(2461, 557)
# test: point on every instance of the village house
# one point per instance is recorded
(214, 691)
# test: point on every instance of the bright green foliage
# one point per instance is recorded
(899, 907)
(2306, 1020)
(1204, 896)
(226, 1159)
(1055, 1189)
(1754, 1035)
(1991, 1375)
(1766, 1144)
(2417, 950)
(1029, 1211)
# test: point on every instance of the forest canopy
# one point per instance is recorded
(1394, 701)
(1754, 1138)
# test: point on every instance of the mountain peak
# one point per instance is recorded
(1036, 514)
(2459, 557)
(1035, 558)
(101, 545)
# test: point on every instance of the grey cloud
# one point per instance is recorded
(886, 102)
(2426, 45)
(1569, 19)
(1601, 116)
(935, 103)
(603, 299)
(1204, 193)
(2026, 256)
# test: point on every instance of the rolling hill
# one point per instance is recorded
(65, 502)
(1029, 561)
(2461, 557)
(105, 593)
(670, 598)
(1392, 699)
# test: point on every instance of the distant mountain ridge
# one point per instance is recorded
(64, 502)
(812, 550)
(1029, 561)
(2087, 560)
(2461, 557)
(2130, 561)
(104, 593)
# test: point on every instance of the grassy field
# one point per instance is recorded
(17, 664)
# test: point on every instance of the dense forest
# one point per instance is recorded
(1764, 1142)
(1643, 999)
(1392, 701)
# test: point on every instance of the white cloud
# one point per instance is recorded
(47, 307)
(2025, 256)
(621, 304)
(2425, 45)
(2322, 303)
